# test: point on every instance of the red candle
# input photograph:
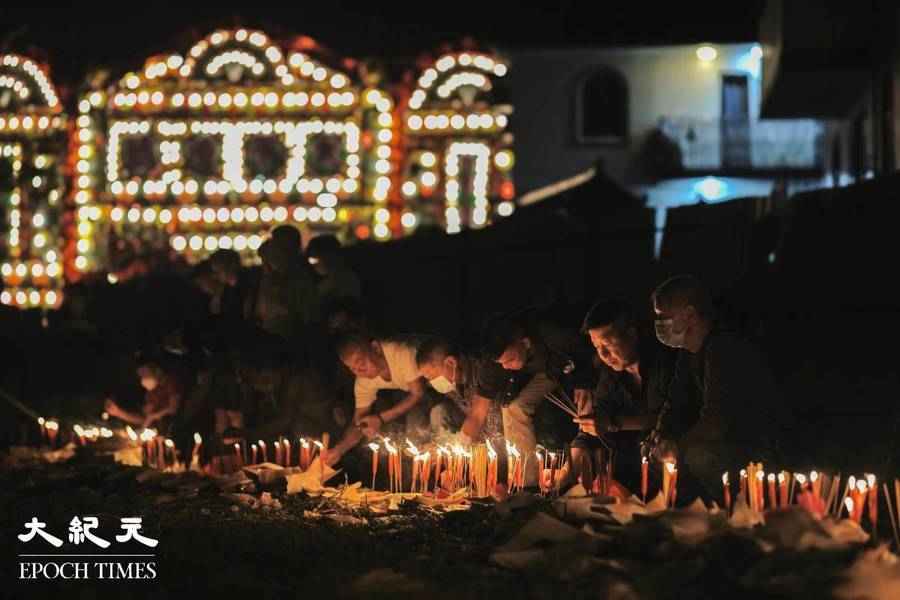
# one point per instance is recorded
(80, 433)
(743, 487)
(42, 423)
(772, 497)
(253, 451)
(52, 432)
(286, 446)
(816, 482)
(645, 474)
(195, 451)
(170, 451)
(264, 450)
(237, 454)
(782, 490)
(673, 483)
(726, 492)
(873, 501)
(304, 454)
(278, 459)
(374, 448)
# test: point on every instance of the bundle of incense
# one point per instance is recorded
(887, 499)
(563, 402)
(478, 471)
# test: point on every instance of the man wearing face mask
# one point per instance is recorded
(536, 358)
(162, 397)
(729, 378)
(469, 383)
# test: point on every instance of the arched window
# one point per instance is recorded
(601, 107)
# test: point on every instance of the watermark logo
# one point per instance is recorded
(85, 566)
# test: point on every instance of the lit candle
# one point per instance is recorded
(286, 447)
(253, 450)
(672, 483)
(195, 451)
(760, 485)
(743, 487)
(816, 482)
(782, 489)
(859, 500)
(848, 502)
(492, 468)
(170, 451)
(264, 450)
(237, 453)
(278, 460)
(79, 431)
(42, 423)
(645, 478)
(374, 448)
(726, 491)
(873, 501)
(800, 478)
(426, 471)
(304, 454)
(773, 502)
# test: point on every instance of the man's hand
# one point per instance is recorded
(584, 402)
(111, 407)
(370, 425)
(587, 425)
(331, 456)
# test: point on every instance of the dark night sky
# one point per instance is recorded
(80, 36)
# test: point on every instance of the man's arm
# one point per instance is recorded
(416, 392)
(478, 413)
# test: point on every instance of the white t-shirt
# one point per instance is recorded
(401, 361)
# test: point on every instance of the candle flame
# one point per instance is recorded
(253, 446)
(724, 476)
(851, 482)
(389, 447)
(304, 443)
(262, 444)
(373, 447)
(93, 432)
(131, 433)
(760, 475)
(670, 467)
(871, 479)
(104, 415)
(107, 433)
(848, 502)
(781, 478)
(540, 456)
(277, 444)
(426, 456)
(52, 425)
(771, 478)
(148, 434)
(801, 478)
(643, 460)
(813, 476)
(491, 453)
(412, 447)
(319, 444)
(169, 443)
(862, 486)
(237, 446)
(197, 438)
(743, 473)
(78, 430)
(41, 420)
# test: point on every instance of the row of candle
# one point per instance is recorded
(282, 452)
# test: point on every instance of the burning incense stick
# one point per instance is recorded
(887, 498)
(374, 448)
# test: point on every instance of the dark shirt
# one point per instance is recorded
(564, 356)
(301, 404)
(480, 378)
(722, 406)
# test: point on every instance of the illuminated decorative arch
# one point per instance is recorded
(32, 149)
(209, 150)
(457, 131)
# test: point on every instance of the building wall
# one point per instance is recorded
(662, 82)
